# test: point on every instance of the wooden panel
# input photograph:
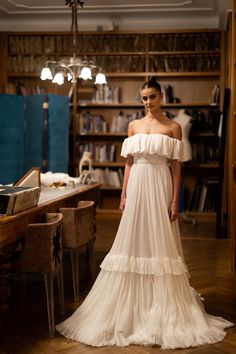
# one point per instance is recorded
(232, 145)
(3, 62)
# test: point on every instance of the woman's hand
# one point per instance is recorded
(122, 203)
(173, 211)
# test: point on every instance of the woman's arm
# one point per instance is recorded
(176, 176)
(128, 165)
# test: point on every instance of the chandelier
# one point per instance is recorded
(73, 68)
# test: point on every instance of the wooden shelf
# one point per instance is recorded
(166, 74)
(183, 52)
(22, 75)
(110, 105)
(138, 105)
(186, 74)
(133, 53)
(132, 74)
(201, 165)
(201, 216)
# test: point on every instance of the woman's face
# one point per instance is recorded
(151, 98)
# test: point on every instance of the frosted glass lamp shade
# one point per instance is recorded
(86, 74)
(58, 79)
(46, 74)
(100, 79)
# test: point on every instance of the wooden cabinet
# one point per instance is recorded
(190, 62)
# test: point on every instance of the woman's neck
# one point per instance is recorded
(158, 115)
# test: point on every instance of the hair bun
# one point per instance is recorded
(152, 82)
(153, 79)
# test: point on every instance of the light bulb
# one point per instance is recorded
(46, 74)
(86, 74)
(58, 79)
(100, 79)
(69, 77)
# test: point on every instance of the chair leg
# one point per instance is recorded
(91, 259)
(74, 256)
(60, 283)
(48, 279)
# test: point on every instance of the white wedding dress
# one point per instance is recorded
(142, 293)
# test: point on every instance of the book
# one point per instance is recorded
(202, 198)
(14, 199)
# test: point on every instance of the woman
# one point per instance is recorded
(142, 294)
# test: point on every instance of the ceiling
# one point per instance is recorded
(54, 15)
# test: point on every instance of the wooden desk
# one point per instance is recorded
(13, 227)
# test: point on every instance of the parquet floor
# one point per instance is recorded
(25, 329)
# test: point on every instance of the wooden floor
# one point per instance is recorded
(25, 329)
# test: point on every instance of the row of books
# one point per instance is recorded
(206, 122)
(184, 41)
(206, 154)
(24, 90)
(121, 121)
(182, 63)
(114, 63)
(122, 63)
(26, 63)
(49, 44)
(130, 63)
(25, 44)
(92, 123)
(114, 43)
(20, 44)
(109, 177)
(100, 152)
(107, 94)
(204, 197)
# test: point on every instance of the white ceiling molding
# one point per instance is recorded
(28, 7)
(54, 15)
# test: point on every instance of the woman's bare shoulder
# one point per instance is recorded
(133, 125)
(176, 130)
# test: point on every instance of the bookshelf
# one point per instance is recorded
(190, 61)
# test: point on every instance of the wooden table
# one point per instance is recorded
(13, 227)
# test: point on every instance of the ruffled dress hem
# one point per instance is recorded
(165, 341)
(118, 263)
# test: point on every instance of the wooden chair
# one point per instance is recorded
(78, 231)
(42, 253)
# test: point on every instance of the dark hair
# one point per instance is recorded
(152, 83)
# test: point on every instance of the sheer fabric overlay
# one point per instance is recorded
(142, 294)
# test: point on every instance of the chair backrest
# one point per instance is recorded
(42, 251)
(78, 227)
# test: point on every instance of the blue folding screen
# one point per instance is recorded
(11, 138)
(34, 124)
(47, 132)
(33, 135)
(58, 133)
